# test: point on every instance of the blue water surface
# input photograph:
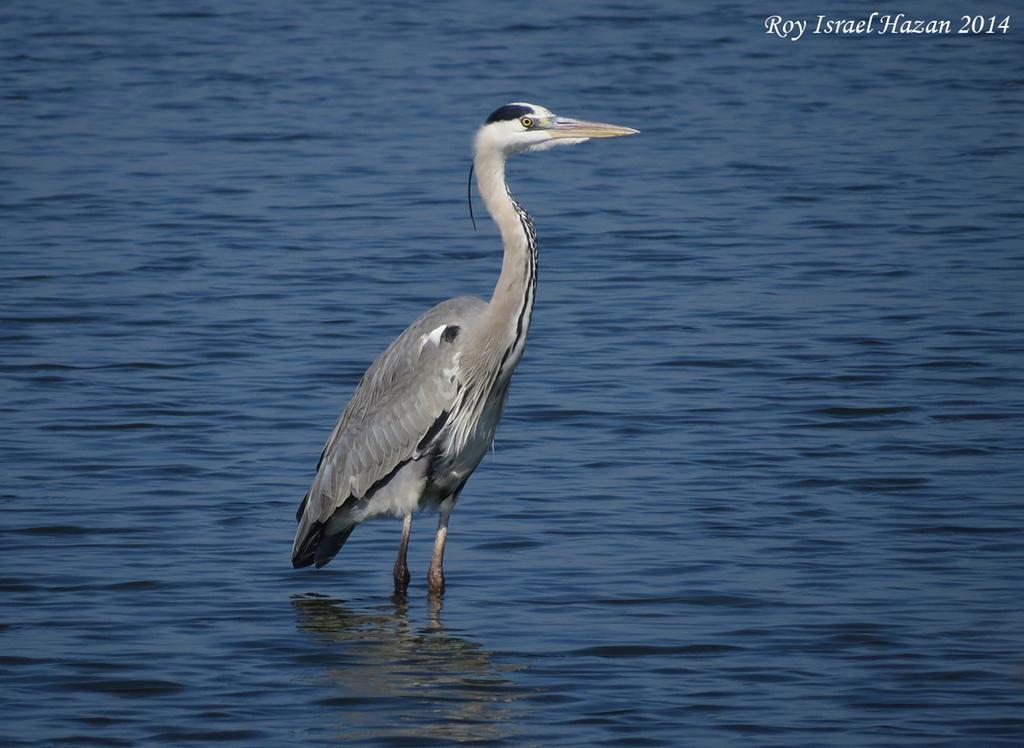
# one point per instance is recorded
(760, 477)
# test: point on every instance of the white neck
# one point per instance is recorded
(512, 302)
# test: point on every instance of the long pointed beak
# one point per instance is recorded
(563, 127)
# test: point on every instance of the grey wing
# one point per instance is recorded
(400, 403)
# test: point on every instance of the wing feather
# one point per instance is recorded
(397, 405)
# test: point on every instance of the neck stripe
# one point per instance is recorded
(530, 291)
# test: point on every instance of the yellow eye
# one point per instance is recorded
(526, 122)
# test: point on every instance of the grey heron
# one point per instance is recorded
(425, 412)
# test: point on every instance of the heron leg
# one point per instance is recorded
(435, 577)
(402, 575)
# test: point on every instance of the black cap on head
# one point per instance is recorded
(507, 112)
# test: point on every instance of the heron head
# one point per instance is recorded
(520, 126)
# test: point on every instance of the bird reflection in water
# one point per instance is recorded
(385, 677)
